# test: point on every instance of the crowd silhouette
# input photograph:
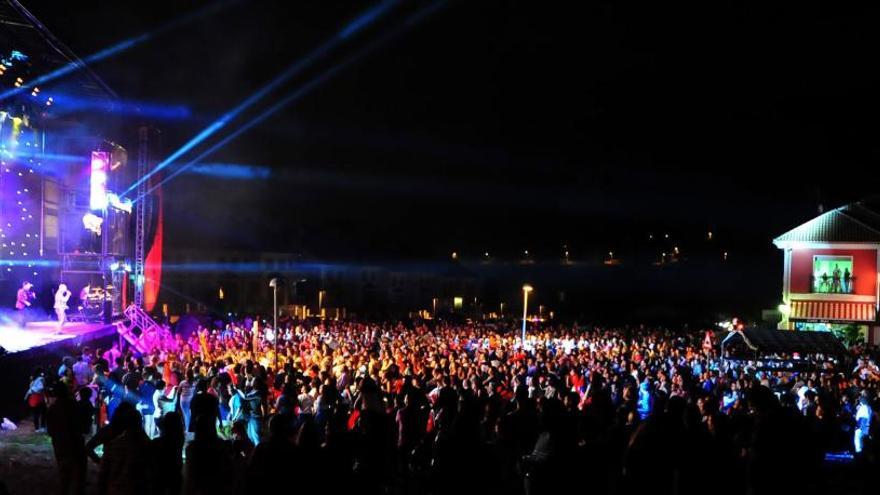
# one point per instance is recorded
(439, 408)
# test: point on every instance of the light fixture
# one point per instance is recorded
(92, 223)
(100, 162)
(785, 309)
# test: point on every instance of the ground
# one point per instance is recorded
(27, 464)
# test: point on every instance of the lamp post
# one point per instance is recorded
(274, 285)
(526, 289)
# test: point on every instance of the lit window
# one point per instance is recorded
(833, 275)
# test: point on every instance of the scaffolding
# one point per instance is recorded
(141, 207)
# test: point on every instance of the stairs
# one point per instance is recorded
(151, 333)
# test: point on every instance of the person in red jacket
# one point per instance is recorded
(23, 301)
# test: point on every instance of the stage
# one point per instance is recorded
(43, 334)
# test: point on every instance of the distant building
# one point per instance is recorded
(217, 281)
(830, 279)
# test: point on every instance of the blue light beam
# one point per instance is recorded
(110, 51)
(303, 91)
(230, 171)
(69, 103)
(359, 23)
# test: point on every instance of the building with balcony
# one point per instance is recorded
(830, 280)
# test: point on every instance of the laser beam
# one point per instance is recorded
(69, 103)
(230, 170)
(120, 47)
(303, 91)
(350, 29)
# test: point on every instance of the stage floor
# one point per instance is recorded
(43, 333)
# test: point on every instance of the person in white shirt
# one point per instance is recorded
(306, 402)
(803, 400)
(82, 371)
(61, 297)
(863, 423)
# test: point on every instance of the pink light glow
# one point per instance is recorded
(98, 181)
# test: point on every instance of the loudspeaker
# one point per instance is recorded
(108, 312)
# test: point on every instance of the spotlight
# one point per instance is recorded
(117, 203)
(92, 223)
(98, 182)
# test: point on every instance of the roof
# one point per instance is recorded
(856, 222)
(788, 341)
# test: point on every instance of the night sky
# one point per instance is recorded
(505, 126)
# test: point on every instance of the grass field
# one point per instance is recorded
(27, 464)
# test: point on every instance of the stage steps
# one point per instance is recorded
(151, 333)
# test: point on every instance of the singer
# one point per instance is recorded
(23, 302)
(61, 297)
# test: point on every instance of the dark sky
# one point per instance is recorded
(504, 126)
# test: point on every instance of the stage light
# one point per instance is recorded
(98, 199)
(92, 223)
(119, 204)
(113, 50)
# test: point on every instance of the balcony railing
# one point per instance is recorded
(832, 285)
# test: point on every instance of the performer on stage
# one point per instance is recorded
(61, 297)
(84, 296)
(23, 301)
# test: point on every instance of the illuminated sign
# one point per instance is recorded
(98, 181)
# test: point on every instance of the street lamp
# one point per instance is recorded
(526, 289)
(274, 283)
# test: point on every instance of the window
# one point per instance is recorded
(833, 275)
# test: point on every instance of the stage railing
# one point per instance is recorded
(151, 334)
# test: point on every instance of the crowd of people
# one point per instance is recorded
(449, 408)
